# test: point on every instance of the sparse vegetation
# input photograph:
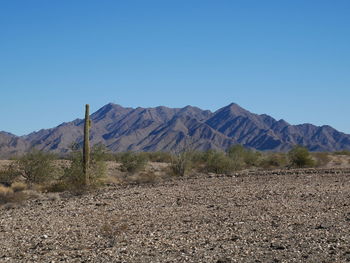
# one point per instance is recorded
(87, 169)
(40, 171)
(11, 195)
(6, 194)
(74, 178)
(144, 177)
(181, 163)
(321, 158)
(160, 157)
(133, 162)
(37, 167)
(219, 162)
(273, 160)
(343, 152)
(300, 157)
(18, 186)
(243, 157)
(9, 174)
(112, 228)
(32, 170)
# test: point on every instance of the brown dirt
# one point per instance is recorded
(303, 216)
(339, 161)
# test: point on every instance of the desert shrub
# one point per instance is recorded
(219, 163)
(109, 156)
(300, 157)
(9, 175)
(343, 152)
(132, 162)
(252, 158)
(113, 228)
(59, 186)
(273, 160)
(181, 163)
(73, 178)
(236, 154)
(98, 167)
(18, 186)
(199, 157)
(37, 167)
(322, 158)
(118, 157)
(103, 153)
(7, 195)
(99, 152)
(243, 157)
(160, 157)
(144, 177)
(236, 151)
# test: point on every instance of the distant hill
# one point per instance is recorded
(172, 129)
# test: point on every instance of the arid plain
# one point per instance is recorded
(300, 215)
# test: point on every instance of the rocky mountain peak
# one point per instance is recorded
(169, 129)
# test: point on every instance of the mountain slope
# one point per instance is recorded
(173, 129)
(11, 144)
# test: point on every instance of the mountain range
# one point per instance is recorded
(173, 129)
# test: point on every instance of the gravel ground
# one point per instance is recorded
(255, 218)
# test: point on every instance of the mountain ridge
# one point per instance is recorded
(173, 129)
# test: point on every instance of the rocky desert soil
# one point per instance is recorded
(294, 216)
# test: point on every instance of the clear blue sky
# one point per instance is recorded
(289, 59)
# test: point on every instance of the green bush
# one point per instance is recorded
(273, 160)
(181, 163)
(160, 157)
(73, 178)
(133, 162)
(219, 163)
(9, 175)
(236, 151)
(243, 157)
(198, 157)
(300, 157)
(252, 158)
(37, 167)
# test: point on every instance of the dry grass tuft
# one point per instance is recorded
(5, 191)
(32, 194)
(7, 195)
(55, 187)
(321, 158)
(145, 177)
(18, 186)
(112, 180)
(112, 229)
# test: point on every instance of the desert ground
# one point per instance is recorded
(261, 216)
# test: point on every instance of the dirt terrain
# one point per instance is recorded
(293, 216)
